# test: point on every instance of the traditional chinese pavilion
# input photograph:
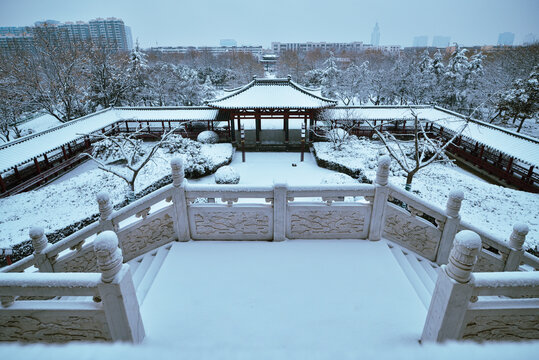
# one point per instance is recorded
(279, 107)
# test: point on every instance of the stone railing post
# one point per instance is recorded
(181, 221)
(453, 290)
(381, 193)
(516, 240)
(117, 291)
(40, 243)
(105, 211)
(451, 225)
(280, 217)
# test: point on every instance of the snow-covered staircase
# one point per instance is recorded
(143, 269)
(421, 272)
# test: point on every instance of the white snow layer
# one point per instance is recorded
(492, 208)
(73, 198)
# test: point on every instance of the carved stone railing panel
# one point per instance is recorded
(412, 232)
(238, 222)
(152, 232)
(506, 325)
(83, 260)
(33, 325)
(488, 262)
(319, 221)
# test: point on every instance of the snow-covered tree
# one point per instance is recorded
(417, 153)
(125, 149)
(521, 101)
(109, 77)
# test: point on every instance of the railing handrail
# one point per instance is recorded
(49, 284)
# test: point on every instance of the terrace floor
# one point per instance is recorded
(318, 296)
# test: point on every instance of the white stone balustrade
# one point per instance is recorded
(516, 240)
(40, 243)
(451, 225)
(458, 309)
(453, 290)
(380, 199)
(288, 216)
(107, 310)
(117, 291)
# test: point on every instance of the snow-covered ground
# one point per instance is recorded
(261, 168)
(493, 208)
(72, 197)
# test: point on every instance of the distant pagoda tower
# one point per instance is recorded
(375, 35)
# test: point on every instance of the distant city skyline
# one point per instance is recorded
(201, 23)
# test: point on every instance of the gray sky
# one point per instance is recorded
(205, 22)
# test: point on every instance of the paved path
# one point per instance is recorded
(246, 297)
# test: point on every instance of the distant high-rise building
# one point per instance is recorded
(529, 39)
(228, 42)
(79, 31)
(506, 39)
(440, 41)
(421, 41)
(111, 31)
(15, 30)
(129, 38)
(375, 35)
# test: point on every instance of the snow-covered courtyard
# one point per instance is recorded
(72, 198)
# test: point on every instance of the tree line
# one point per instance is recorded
(71, 80)
(499, 86)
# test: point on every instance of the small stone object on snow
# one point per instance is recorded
(227, 175)
(208, 137)
(338, 179)
(294, 164)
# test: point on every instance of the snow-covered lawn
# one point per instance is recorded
(73, 197)
(492, 208)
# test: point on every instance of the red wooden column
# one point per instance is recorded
(46, 161)
(258, 126)
(17, 174)
(530, 173)
(64, 152)
(310, 129)
(232, 128)
(2, 184)
(286, 128)
(36, 163)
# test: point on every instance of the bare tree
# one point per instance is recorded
(423, 152)
(129, 150)
(336, 126)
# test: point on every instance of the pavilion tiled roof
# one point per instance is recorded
(272, 94)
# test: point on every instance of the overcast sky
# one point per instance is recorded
(205, 22)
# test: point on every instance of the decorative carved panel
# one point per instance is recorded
(411, 232)
(231, 223)
(56, 326)
(486, 264)
(502, 327)
(141, 238)
(328, 222)
(80, 261)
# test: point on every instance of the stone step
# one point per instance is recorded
(412, 272)
(147, 281)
